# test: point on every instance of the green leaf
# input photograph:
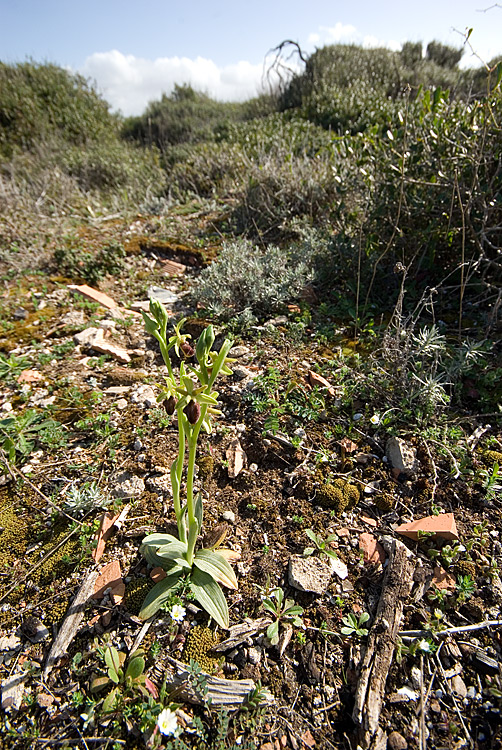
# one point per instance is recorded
(112, 659)
(308, 551)
(210, 596)
(158, 595)
(109, 701)
(293, 611)
(217, 567)
(273, 632)
(347, 631)
(151, 325)
(499, 74)
(135, 667)
(269, 606)
(98, 683)
(174, 552)
(311, 535)
(156, 540)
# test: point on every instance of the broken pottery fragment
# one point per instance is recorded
(317, 380)
(92, 294)
(236, 458)
(442, 525)
(373, 552)
(109, 577)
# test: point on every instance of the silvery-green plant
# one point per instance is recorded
(192, 397)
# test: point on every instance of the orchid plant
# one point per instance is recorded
(192, 398)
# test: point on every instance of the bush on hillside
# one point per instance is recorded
(41, 102)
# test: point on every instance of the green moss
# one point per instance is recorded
(55, 614)
(206, 467)
(14, 537)
(492, 457)
(338, 495)
(198, 643)
(135, 594)
(385, 501)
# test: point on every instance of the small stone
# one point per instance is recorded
(228, 515)
(137, 445)
(128, 485)
(83, 338)
(117, 593)
(20, 313)
(162, 295)
(338, 567)
(309, 574)
(416, 677)
(238, 351)
(253, 468)
(242, 373)
(254, 655)
(471, 692)
(107, 325)
(400, 455)
(121, 404)
(443, 580)
(34, 629)
(458, 686)
(396, 741)
(29, 376)
(9, 643)
(13, 691)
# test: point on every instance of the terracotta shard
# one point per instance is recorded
(173, 268)
(373, 552)
(443, 580)
(92, 294)
(317, 380)
(29, 376)
(157, 574)
(442, 525)
(104, 533)
(109, 577)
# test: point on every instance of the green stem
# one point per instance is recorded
(180, 520)
(193, 526)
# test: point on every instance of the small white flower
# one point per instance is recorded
(178, 613)
(424, 646)
(375, 419)
(167, 721)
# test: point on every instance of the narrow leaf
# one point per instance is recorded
(210, 596)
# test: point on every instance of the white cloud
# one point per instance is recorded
(129, 83)
(348, 34)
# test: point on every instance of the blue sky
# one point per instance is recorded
(134, 50)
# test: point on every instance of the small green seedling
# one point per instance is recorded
(322, 545)
(127, 681)
(353, 625)
(283, 610)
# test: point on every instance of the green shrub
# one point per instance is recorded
(39, 102)
(75, 262)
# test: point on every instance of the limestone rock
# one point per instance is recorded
(309, 574)
(401, 455)
(128, 485)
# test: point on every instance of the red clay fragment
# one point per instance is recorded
(110, 577)
(318, 380)
(157, 574)
(104, 533)
(29, 376)
(92, 294)
(173, 268)
(369, 521)
(443, 580)
(373, 552)
(443, 525)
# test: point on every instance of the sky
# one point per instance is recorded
(135, 51)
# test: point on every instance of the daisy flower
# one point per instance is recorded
(167, 721)
(178, 613)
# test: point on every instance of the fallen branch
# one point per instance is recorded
(375, 666)
(450, 631)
